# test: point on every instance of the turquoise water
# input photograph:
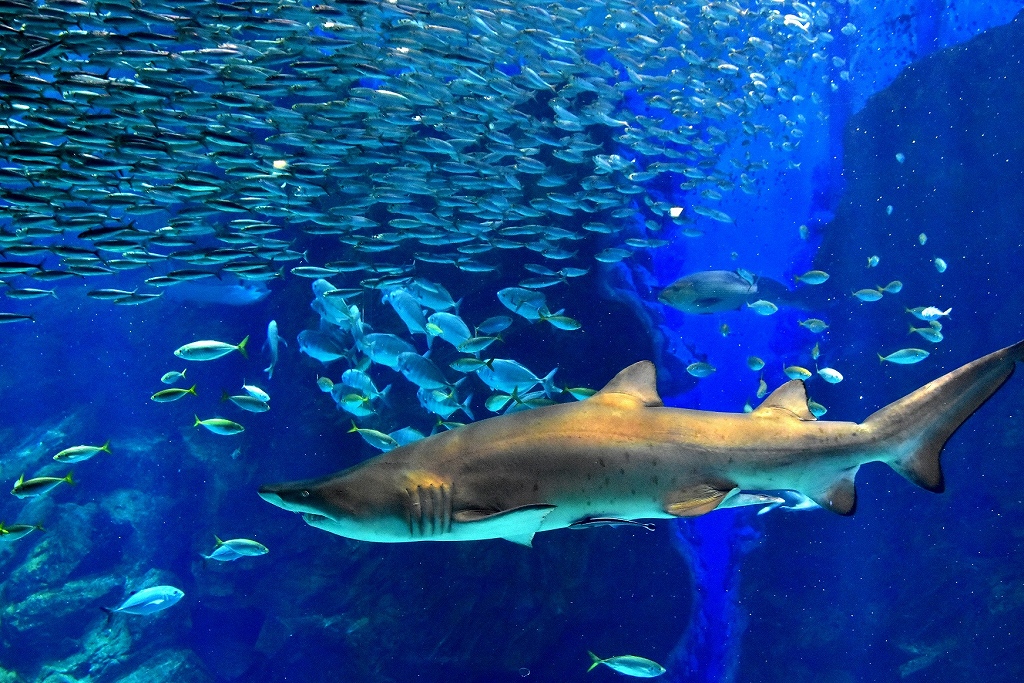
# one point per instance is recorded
(173, 172)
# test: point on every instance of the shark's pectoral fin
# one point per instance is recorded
(789, 400)
(695, 501)
(517, 524)
(838, 495)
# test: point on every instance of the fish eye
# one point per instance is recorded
(304, 494)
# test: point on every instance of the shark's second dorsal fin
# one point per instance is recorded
(639, 380)
(789, 400)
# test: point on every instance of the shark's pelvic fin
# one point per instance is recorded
(695, 501)
(789, 400)
(517, 525)
(638, 381)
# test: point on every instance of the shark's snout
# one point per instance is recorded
(294, 497)
(269, 494)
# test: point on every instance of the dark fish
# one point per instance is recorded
(588, 522)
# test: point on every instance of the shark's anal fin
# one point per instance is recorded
(695, 501)
(517, 524)
(789, 400)
(839, 495)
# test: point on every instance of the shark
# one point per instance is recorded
(621, 455)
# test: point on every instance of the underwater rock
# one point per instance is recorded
(56, 615)
(58, 552)
(103, 649)
(169, 666)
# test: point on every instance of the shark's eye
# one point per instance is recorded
(304, 494)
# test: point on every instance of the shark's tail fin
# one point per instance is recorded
(913, 430)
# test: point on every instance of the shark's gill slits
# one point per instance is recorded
(429, 505)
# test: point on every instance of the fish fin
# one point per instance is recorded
(839, 495)
(241, 347)
(695, 501)
(915, 428)
(639, 380)
(517, 524)
(594, 661)
(521, 539)
(789, 400)
(737, 498)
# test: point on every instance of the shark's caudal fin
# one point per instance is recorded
(913, 430)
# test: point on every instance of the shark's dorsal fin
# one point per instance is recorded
(639, 381)
(789, 400)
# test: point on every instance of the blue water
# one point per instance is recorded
(915, 586)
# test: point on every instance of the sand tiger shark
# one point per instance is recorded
(621, 455)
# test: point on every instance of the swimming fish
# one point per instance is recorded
(762, 307)
(812, 277)
(830, 375)
(149, 600)
(814, 325)
(273, 344)
(904, 356)
(700, 369)
(868, 294)
(16, 532)
(37, 486)
(628, 665)
(172, 377)
(168, 395)
(235, 548)
(708, 292)
(209, 349)
(80, 453)
(219, 425)
(515, 475)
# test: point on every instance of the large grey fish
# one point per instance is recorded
(714, 291)
(621, 454)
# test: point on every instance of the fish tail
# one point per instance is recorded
(223, 397)
(548, 383)
(241, 346)
(106, 447)
(192, 391)
(198, 422)
(912, 432)
(69, 480)
(594, 661)
(881, 358)
(355, 427)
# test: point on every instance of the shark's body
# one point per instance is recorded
(621, 455)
